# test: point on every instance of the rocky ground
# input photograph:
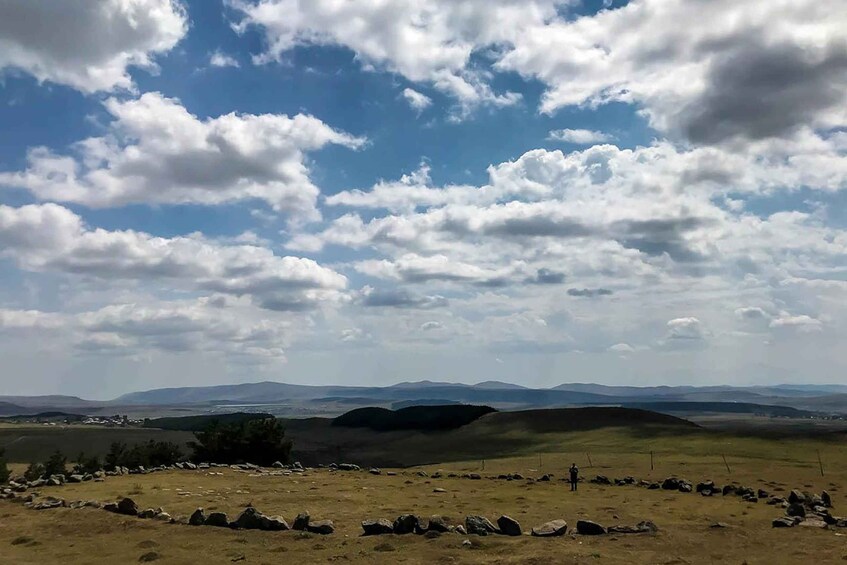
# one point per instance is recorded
(456, 514)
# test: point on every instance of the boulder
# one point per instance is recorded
(774, 500)
(198, 518)
(601, 480)
(654, 486)
(438, 524)
(671, 483)
(406, 524)
(377, 527)
(645, 527)
(301, 522)
(826, 499)
(589, 528)
(278, 465)
(544, 478)
(252, 519)
(128, 507)
(479, 525)
(75, 478)
(762, 493)
(217, 520)
(685, 486)
(321, 527)
(375, 471)
(729, 489)
(796, 497)
(147, 514)
(508, 526)
(783, 522)
(474, 476)
(707, 485)
(813, 523)
(796, 509)
(111, 507)
(349, 467)
(550, 529)
(460, 529)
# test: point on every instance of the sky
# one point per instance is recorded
(363, 192)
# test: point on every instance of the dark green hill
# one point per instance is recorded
(421, 418)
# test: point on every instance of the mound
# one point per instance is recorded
(421, 418)
(582, 419)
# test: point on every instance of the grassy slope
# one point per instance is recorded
(348, 498)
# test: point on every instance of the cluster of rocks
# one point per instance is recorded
(482, 526)
(252, 519)
(807, 510)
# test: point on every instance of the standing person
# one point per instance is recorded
(574, 476)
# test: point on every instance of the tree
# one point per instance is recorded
(87, 465)
(260, 441)
(34, 472)
(56, 464)
(4, 468)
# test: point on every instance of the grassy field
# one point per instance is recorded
(685, 536)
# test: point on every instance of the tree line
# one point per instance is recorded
(260, 441)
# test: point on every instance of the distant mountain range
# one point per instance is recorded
(292, 399)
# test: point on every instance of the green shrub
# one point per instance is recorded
(56, 464)
(255, 441)
(34, 472)
(4, 468)
(150, 454)
(87, 465)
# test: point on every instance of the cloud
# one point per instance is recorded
(589, 292)
(579, 136)
(88, 46)
(220, 59)
(50, 238)
(752, 313)
(622, 348)
(156, 152)
(430, 41)
(801, 323)
(748, 70)
(417, 101)
(431, 326)
(546, 276)
(399, 298)
(742, 70)
(689, 328)
(175, 327)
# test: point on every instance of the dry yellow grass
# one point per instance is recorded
(94, 536)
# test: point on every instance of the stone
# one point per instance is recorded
(128, 507)
(278, 465)
(460, 529)
(774, 500)
(508, 526)
(375, 471)
(783, 522)
(589, 528)
(438, 524)
(252, 519)
(75, 478)
(827, 499)
(544, 478)
(762, 493)
(645, 527)
(813, 523)
(796, 509)
(377, 527)
(474, 476)
(685, 486)
(217, 520)
(301, 522)
(198, 518)
(147, 514)
(111, 507)
(479, 525)
(406, 524)
(654, 486)
(439, 490)
(163, 517)
(719, 525)
(729, 489)
(550, 529)
(707, 485)
(671, 483)
(796, 497)
(349, 467)
(321, 527)
(48, 503)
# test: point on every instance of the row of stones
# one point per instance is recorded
(482, 526)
